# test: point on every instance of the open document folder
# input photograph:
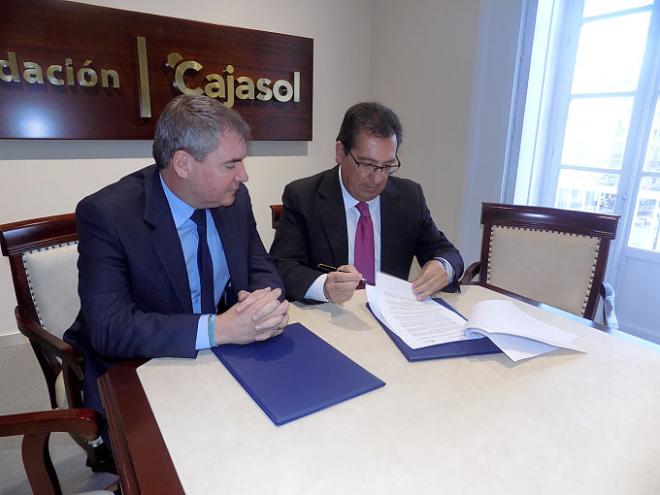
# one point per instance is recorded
(426, 323)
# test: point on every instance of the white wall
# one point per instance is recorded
(445, 66)
(423, 55)
(494, 85)
(47, 177)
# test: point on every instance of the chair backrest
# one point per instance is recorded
(275, 212)
(554, 256)
(43, 258)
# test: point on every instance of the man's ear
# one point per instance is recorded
(339, 152)
(182, 163)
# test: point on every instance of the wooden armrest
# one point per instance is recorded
(85, 422)
(36, 427)
(471, 272)
(70, 357)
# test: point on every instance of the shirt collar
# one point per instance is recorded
(181, 210)
(350, 201)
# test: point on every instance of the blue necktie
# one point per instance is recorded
(204, 264)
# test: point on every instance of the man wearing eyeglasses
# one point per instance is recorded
(358, 218)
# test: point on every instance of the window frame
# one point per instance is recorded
(568, 16)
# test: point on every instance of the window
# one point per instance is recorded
(595, 143)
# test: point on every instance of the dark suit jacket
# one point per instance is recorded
(133, 285)
(312, 230)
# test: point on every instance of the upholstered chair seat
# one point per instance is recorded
(554, 267)
(52, 276)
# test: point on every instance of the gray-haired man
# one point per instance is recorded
(170, 258)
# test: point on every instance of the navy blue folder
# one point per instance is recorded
(295, 374)
(450, 349)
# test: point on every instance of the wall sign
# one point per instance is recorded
(75, 71)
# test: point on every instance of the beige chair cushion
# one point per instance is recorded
(53, 278)
(60, 392)
(555, 268)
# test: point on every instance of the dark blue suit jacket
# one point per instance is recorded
(132, 279)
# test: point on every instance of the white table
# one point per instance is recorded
(562, 423)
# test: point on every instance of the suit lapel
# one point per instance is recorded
(330, 205)
(165, 239)
(391, 220)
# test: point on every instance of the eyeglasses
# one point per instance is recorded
(369, 168)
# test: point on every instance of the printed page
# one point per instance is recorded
(418, 323)
(519, 335)
(426, 323)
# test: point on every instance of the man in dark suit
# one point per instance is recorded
(170, 261)
(360, 218)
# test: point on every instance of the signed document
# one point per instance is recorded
(425, 323)
(418, 323)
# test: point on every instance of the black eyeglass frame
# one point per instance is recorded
(387, 170)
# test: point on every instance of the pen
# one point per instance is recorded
(329, 268)
(326, 268)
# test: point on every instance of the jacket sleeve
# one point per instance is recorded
(118, 328)
(432, 243)
(290, 250)
(261, 268)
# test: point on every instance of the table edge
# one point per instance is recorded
(143, 462)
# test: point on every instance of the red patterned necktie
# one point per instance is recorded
(364, 244)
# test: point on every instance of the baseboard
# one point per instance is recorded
(12, 339)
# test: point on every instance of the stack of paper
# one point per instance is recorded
(425, 323)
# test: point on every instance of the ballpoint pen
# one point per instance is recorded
(329, 268)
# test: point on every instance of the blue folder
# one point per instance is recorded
(451, 349)
(295, 374)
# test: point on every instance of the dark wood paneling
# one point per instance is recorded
(48, 32)
(539, 217)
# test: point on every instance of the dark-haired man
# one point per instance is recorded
(360, 218)
(170, 259)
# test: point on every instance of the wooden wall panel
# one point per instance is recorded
(50, 32)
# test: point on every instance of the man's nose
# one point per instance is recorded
(377, 177)
(241, 173)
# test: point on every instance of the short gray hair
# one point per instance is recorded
(194, 123)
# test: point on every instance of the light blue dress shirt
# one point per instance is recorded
(187, 231)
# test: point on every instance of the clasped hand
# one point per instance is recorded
(257, 316)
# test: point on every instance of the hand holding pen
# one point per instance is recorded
(340, 283)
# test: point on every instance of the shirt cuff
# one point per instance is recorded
(448, 268)
(315, 291)
(202, 339)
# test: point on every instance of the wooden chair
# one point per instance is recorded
(276, 213)
(43, 259)
(36, 428)
(557, 257)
